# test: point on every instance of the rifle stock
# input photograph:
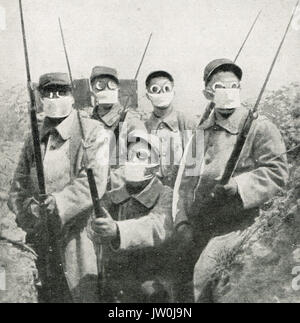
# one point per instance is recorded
(94, 193)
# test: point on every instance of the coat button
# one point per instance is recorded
(161, 126)
(207, 161)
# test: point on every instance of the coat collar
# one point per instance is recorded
(147, 197)
(64, 129)
(112, 116)
(232, 124)
(171, 120)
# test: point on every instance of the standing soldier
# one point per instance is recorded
(262, 170)
(108, 110)
(171, 126)
(71, 272)
(105, 87)
(138, 229)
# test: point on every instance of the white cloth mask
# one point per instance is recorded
(59, 107)
(135, 172)
(227, 99)
(161, 100)
(107, 97)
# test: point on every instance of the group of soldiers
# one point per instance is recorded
(165, 213)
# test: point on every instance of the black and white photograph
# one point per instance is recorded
(149, 154)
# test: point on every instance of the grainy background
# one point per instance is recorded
(186, 35)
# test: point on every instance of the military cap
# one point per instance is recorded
(103, 71)
(54, 79)
(152, 140)
(216, 64)
(162, 73)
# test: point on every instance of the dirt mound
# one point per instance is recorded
(265, 267)
(18, 272)
(17, 264)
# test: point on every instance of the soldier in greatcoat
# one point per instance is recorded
(71, 273)
(262, 170)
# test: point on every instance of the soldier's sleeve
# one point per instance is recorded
(271, 168)
(150, 230)
(75, 198)
(21, 189)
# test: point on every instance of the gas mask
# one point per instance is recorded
(58, 107)
(107, 97)
(138, 173)
(161, 100)
(227, 99)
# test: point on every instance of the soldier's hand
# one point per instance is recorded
(222, 193)
(49, 203)
(32, 207)
(231, 189)
(105, 228)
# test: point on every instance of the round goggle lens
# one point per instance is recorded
(100, 85)
(155, 89)
(167, 88)
(112, 85)
(142, 155)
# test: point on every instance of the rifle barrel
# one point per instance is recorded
(142, 60)
(66, 53)
(24, 42)
(211, 106)
(247, 36)
(71, 77)
(275, 59)
(136, 75)
(33, 117)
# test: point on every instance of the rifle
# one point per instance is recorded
(143, 57)
(242, 136)
(98, 209)
(252, 115)
(211, 106)
(124, 113)
(46, 249)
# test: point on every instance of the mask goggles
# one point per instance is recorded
(101, 85)
(55, 93)
(157, 89)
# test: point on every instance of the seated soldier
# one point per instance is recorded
(137, 232)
